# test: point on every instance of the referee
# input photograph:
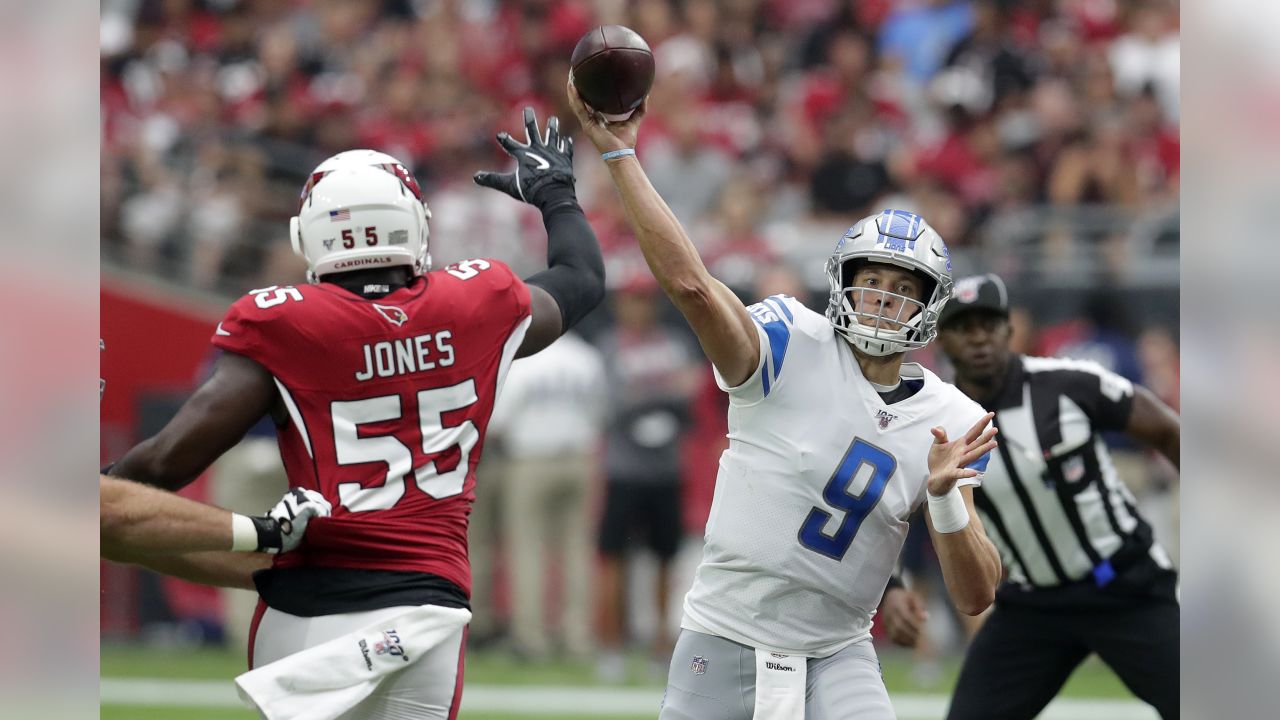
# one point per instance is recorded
(1084, 573)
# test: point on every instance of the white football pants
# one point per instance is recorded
(428, 689)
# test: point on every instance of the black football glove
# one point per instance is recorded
(544, 166)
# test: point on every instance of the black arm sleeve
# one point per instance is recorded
(575, 268)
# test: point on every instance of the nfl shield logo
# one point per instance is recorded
(699, 665)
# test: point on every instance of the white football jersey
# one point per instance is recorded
(814, 491)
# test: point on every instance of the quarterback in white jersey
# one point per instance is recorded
(813, 494)
(833, 442)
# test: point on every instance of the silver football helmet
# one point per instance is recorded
(893, 237)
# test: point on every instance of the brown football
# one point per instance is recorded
(612, 68)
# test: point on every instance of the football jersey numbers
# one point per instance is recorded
(467, 269)
(353, 448)
(837, 494)
(269, 297)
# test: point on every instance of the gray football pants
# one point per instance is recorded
(844, 686)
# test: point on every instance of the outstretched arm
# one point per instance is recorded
(970, 563)
(573, 283)
(138, 524)
(719, 319)
(219, 569)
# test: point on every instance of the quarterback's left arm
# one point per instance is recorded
(1155, 424)
(970, 562)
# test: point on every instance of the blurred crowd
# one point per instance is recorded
(1040, 138)
(772, 123)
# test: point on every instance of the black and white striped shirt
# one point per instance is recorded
(1051, 499)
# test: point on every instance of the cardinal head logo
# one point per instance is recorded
(392, 314)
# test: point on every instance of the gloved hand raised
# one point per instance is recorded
(544, 166)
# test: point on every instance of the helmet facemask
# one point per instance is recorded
(877, 321)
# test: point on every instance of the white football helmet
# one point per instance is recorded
(893, 237)
(361, 208)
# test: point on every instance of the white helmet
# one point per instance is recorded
(361, 208)
(893, 237)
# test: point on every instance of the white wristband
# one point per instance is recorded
(948, 512)
(244, 534)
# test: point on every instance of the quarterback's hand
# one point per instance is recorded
(904, 615)
(948, 460)
(282, 528)
(544, 165)
(605, 135)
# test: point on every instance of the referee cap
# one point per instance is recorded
(976, 292)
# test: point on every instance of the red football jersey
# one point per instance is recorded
(389, 400)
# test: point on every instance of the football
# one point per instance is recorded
(612, 68)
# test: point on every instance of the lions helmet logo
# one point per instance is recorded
(394, 315)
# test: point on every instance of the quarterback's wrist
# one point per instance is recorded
(948, 511)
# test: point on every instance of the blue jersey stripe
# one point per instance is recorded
(776, 302)
(779, 338)
(981, 463)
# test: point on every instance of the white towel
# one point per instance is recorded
(780, 686)
(322, 682)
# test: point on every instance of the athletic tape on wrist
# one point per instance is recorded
(948, 511)
(615, 154)
(244, 533)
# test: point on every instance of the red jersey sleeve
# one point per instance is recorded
(255, 325)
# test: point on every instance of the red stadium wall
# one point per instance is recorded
(156, 342)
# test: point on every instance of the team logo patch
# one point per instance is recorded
(390, 645)
(884, 417)
(699, 665)
(392, 314)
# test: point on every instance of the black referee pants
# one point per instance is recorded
(1021, 657)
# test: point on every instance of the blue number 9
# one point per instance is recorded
(856, 507)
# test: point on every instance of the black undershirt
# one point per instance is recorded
(315, 591)
(905, 389)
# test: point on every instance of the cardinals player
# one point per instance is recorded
(381, 377)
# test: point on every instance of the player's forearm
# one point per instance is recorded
(136, 521)
(575, 266)
(1171, 447)
(970, 567)
(670, 253)
(220, 569)
(718, 318)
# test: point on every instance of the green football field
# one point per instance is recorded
(152, 684)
